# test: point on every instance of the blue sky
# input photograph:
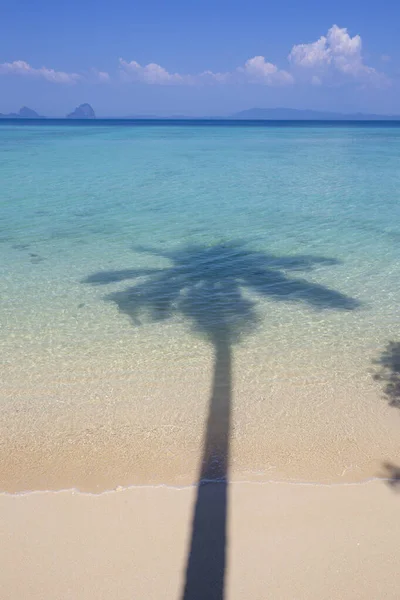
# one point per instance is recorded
(199, 57)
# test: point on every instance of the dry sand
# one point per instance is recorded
(284, 541)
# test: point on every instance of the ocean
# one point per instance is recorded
(135, 254)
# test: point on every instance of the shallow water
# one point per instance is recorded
(126, 250)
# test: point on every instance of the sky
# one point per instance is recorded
(199, 57)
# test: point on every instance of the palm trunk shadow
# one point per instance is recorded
(205, 568)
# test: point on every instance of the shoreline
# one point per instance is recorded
(389, 480)
(116, 478)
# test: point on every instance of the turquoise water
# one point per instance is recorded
(287, 237)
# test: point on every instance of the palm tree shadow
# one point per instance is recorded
(388, 373)
(205, 570)
(206, 285)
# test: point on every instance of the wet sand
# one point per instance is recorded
(284, 541)
(87, 422)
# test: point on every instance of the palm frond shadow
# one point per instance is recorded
(392, 475)
(388, 373)
(207, 285)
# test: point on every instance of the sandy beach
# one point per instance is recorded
(284, 541)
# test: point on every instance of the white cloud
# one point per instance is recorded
(96, 76)
(20, 67)
(311, 55)
(336, 52)
(315, 80)
(103, 77)
(211, 77)
(151, 73)
(258, 70)
(255, 70)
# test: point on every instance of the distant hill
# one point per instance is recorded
(276, 114)
(293, 114)
(138, 117)
(23, 113)
(145, 117)
(28, 113)
(83, 111)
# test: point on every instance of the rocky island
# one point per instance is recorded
(83, 111)
(23, 113)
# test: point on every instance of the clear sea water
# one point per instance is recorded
(124, 246)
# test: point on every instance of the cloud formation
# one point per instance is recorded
(337, 52)
(332, 59)
(152, 73)
(96, 76)
(255, 70)
(258, 70)
(20, 67)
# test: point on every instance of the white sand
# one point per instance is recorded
(286, 541)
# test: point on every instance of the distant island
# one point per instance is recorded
(83, 111)
(23, 113)
(276, 114)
